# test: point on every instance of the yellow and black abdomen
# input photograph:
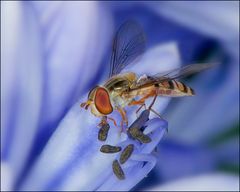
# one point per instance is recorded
(174, 88)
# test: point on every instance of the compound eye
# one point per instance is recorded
(91, 94)
(102, 101)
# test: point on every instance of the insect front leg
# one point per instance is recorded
(104, 121)
(124, 118)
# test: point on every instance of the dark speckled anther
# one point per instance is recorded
(117, 170)
(135, 132)
(103, 132)
(110, 149)
(126, 153)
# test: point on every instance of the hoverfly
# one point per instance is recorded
(121, 90)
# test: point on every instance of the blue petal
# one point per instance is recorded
(74, 48)
(205, 182)
(213, 18)
(72, 160)
(21, 88)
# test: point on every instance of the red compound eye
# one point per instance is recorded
(102, 101)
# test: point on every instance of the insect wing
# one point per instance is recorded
(128, 45)
(182, 72)
(173, 74)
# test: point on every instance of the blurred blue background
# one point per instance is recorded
(52, 53)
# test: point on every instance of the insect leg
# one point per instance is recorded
(139, 102)
(83, 104)
(113, 120)
(155, 112)
(142, 100)
(141, 108)
(124, 117)
(103, 121)
(154, 99)
(150, 106)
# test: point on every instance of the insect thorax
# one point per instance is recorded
(117, 85)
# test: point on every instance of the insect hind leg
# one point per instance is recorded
(156, 113)
(154, 99)
(143, 105)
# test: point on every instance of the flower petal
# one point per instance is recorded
(72, 159)
(160, 58)
(208, 106)
(6, 177)
(21, 87)
(209, 19)
(74, 48)
(207, 182)
(222, 86)
(181, 160)
(136, 172)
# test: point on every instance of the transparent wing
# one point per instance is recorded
(182, 72)
(172, 74)
(128, 45)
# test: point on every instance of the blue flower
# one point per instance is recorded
(53, 53)
(46, 67)
(72, 159)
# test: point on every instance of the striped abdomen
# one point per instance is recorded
(174, 88)
(169, 88)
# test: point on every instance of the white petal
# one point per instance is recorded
(6, 177)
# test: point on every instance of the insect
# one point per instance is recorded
(121, 90)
